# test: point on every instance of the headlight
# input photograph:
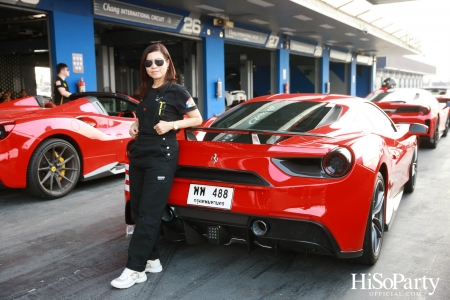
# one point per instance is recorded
(337, 163)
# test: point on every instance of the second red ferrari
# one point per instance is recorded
(48, 150)
(410, 105)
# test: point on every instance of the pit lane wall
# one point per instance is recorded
(72, 41)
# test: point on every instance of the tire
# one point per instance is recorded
(373, 238)
(447, 124)
(433, 142)
(411, 183)
(53, 170)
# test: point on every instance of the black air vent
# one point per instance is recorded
(227, 176)
(407, 109)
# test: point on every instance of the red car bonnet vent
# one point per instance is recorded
(337, 163)
(5, 129)
(424, 110)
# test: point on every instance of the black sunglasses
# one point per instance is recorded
(159, 62)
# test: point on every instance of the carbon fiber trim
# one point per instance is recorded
(227, 176)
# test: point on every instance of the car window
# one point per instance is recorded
(282, 116)
(379, 120)
(276, 115)
(437, 92)
(116, 107)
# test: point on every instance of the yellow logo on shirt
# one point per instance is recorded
(162, 106)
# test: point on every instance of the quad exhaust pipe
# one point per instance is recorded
(260, 227)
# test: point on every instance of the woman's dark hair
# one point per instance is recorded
(147, 81)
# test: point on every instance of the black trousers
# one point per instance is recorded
(153, 162)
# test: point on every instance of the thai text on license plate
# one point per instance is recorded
(210, 196)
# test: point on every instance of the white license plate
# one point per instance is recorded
(210, 196)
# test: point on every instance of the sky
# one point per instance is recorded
(430, 21)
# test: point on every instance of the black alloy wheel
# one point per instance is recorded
(447, 124)
(373, 238)
(435, 139)
(53, 170)
(413, 168)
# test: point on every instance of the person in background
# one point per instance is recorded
(23, 93)
(1, 95)
(60, 86)
(154, 158)
(7, 96)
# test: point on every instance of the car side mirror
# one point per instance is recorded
(418, 128)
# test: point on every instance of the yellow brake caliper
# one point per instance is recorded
(63, 172)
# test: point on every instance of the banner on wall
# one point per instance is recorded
(133, 13)
(21, 2)
(244, 35)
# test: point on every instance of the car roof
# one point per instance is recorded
(341, 99)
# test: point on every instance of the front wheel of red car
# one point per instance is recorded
(411, 183)
(373, 238)
(53, 170)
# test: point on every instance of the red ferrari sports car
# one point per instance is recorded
(415, 106)
(47, 149)
(308, 172)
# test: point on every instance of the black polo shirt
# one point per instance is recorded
(169, 105)
(58, 98)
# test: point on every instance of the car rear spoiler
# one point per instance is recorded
(191, 136)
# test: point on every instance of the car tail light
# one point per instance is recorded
(337, 163)
(5, 130)
(424, 110)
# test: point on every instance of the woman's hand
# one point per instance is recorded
(134, 130)
(163, 127)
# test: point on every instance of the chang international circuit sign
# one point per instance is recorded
(133, 13)
(22, 2)
(244, 35)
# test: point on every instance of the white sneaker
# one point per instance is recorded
(153, 266)
(128, 279)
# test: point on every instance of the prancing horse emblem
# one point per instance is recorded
(214, 158)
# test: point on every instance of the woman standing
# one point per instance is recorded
(154, 158)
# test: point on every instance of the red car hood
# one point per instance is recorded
(24, 109)
(19, 107)
(15, 113)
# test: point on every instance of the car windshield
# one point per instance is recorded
(393, 96)
(282, 116)
(437, 92)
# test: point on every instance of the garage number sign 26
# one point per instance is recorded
(191, 26)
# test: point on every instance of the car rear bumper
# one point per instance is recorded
(223, 228)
